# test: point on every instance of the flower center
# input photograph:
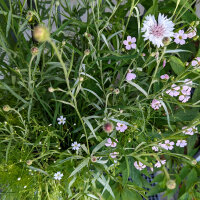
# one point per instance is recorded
(129, 42)
(180, 37)
(157, 30)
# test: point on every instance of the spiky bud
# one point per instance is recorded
(41, 33)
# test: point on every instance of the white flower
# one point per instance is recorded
(61, 120)
(58, 176)
(157, 31)
(190, 131)
(155, 148)
(180, 37)
(139, 166)
(167, 145)
(160, 163)
(181, 143)
(130, 43)
(76, 146)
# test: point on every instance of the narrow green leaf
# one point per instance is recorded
(177, 65)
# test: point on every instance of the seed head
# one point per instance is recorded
(41, 33)
(171, 184)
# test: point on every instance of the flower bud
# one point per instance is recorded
(50, 89)
(166, 41)
(194, 162)
(34, 50)
(41, 33)
(81, 79)
(6, 108)
(29, 162)
(29, 16)
(171, 184)
(87, 52)
(93, 159)
(57, 3)
(116, 91)
(108, 127)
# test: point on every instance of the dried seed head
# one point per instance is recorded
(108, 127)
(6, 108)
(34, 50)
(171, 184)
(41, 33)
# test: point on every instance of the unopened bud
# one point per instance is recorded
(29, 162)
(108, 127)
(93, 159)
(171, 184)
(34, 50)
(41, 33)
(87, 52)
(50, 89)
(116, 91)
(29, 16)
(166, 41)
(194, 162)
(57, 3)
(81, 79)
(6, 108)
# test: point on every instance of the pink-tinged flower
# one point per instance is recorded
(156, 104)
(196, 61)
(121, 127)
(76, 146)
(164, 63)
(160, 163)
(184, 98)
(143, 54)
(188, 82)
(155, 148)
(111, 143)
(181, 143)
(130, 43)
(167, 145)
(189, 131)
(174, 91)
(130, 76)
(156, 31)
(108, 127)
(180, 37)
(165, 76)
(114, 154)
(139, 166)
(191, 32)
(186, 90)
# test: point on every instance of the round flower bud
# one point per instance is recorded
(41, 33)
(29, 162)
(93, 159)
(81, 79)
(6, 108)
(29, 16)
(34, 50)
(194, 162)
(87, 52)
(63, 43)
(171, 184)
(57, 3)
(108, 127)
(166, 41)
(116, 91)
(50, 89)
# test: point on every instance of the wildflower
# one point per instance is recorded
(34, 50)
(51, 89)
(164, 63)
(157, 31)
(196, 62)
(58, 176)
(6, 108)
(121, 127)
(181, 143)
(184, 98)
(180, 37)
(41, 33)
(174, 91)
(139, 166)
(19, 178)
(160, 163)
(76, 146)
(130, 43)
(194, 162)
(108, 127)
(167, 145)
(111, 143)
(94, 159)
(171, 184)
(191, 32)
(155, 148)
(189, 131)
(156, 104)
(114, 154)
(116, 91)
(166, 41)
(87, 52)
(61, 120)
(81, 79)
(165, 76)
(130, 76)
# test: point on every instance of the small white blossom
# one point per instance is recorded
(189, 131)
(160, 163)
(181, 143)
(155, 148)
(61, 120)
(76, 146)
(58, 176)
(139, 166)
(167, 145)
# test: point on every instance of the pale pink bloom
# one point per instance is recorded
(114, 154)
(196, 61)
(184, 98)
(174, 91)
(167, 145)
(164, 63)
(160, 163)
(165, 76)
(187, 63)
(76, 146)
(156, 104)
(155, 148)
(121, 127)
(143, 54)
(111, 143)
(156, 31)
(186, 90)
(130, 43)
(191, 32)
(180, 37)
(189, 131)
(139, 166)
(181, 143)
(130, 76)
(151, 168)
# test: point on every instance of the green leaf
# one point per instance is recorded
(138, 87)
(8, 22)
(191, 178)
(177, 65)
(130, 195)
